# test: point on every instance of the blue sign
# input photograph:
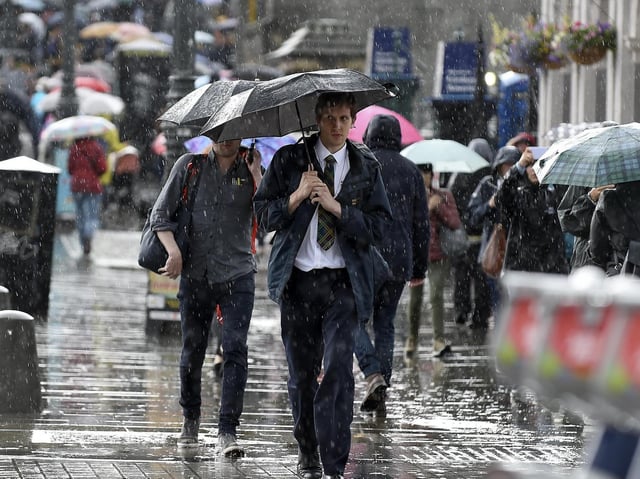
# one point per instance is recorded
(459, 73)
(389, 53)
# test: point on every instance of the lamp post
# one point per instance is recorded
(181, 79)
(480, 126)
(8, 24)
(68, 103)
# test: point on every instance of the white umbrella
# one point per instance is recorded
(90, 102)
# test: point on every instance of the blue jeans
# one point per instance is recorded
(198, 300)
(319, 320)
(88, 207)
(379, 358)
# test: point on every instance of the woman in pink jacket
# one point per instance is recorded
(87, 161)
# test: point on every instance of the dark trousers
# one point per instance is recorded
(319, 320)
(379, 358)
(198, 300)
(472, 294)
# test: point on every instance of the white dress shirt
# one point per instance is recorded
(311, 255)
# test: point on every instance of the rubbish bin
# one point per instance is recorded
(27, 227)
(19, 377)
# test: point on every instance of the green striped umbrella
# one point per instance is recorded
(595, 157)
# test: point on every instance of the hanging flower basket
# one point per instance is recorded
(517, 61)
(588, 43)
(588, 55)
(554, 63)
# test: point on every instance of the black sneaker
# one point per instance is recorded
(374, 394)
(309, 465)
(228, 445)
(189, 434)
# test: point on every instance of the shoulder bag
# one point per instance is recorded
(453, 242)
(494, 253)
(152, 254)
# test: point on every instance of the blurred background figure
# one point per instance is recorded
(483, 213)
(471, 294)
(406, 250)
(87, 162)
(536, 241)
(522, 140)
(442, 210)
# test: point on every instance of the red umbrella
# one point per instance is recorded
(410, 133)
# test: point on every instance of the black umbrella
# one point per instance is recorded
(286, 104)
(196, 107)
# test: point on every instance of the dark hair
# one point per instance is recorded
(331, 99)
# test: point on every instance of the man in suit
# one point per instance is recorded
(327, 204)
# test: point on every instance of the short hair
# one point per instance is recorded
(331, 99)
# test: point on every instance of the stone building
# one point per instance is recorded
(607, 90)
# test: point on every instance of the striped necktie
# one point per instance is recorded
(326, 228)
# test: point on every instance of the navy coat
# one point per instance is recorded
(365, 217)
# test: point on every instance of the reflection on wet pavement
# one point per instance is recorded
(111, 396)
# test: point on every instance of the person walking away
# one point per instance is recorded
(483, 213)
(321, 272)
(471, 293)
(219, 270)
(87, 161)
(442, 210)
(405, 249)
(536, 241)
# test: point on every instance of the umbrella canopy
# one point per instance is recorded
(268, 145)
(93, 83)
(72, 127)
(90, 102)
(196, 107)
(35, 22)
(446, 156)
(596, 157)
(410, 133)
(98, 30)
(286, 104)
(144, 46)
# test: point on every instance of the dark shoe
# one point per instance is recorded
(86, 247)
(309, 465)
(461, 318)
(374, 394)
(228, 445)
(444, 352)
(189, 434)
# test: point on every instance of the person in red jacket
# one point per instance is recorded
(442, 210)
(87, 161)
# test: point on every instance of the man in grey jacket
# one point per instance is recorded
(218, 272)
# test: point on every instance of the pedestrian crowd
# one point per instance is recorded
(352, 224)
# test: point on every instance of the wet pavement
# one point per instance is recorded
(111, 410)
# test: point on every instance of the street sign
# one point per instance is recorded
(389, 53)
(459, 70)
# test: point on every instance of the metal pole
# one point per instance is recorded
(8, 24)
(68, 104)
(182, 78)
(480, 125)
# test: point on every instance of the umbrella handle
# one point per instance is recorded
(252, 148)
(304, 138)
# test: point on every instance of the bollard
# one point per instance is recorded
(19, 376)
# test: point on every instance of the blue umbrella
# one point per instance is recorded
(266, 146)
